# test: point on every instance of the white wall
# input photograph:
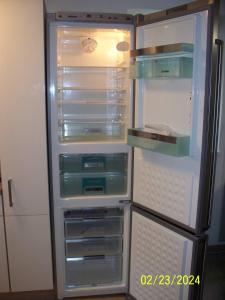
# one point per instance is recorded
(117, 6)
(217, 230)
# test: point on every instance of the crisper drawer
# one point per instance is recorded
(74, 163)
(94, 246)
(72, 130)
(93, 227)
(95, 270)
(108, 183)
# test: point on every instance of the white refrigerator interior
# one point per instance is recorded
(92, 84)
(90, 111)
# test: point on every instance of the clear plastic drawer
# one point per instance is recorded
(95, 270)
(94, 246)
(78, 228)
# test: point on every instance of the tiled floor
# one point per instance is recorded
(214, 287)
(102, 298)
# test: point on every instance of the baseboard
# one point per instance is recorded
(34, 295)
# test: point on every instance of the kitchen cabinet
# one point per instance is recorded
(23, 150)
(4, 280)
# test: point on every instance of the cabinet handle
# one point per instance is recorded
(10, 192)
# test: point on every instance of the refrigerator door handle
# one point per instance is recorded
(219, 44)
(10, 192)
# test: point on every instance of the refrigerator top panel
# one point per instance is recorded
(169, 117)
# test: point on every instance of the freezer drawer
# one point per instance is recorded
(76, 184)
(93, 227)
(93, 213)
(75, 163)
(95, 270)
(94, 246)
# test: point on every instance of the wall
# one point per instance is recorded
(217, 230)
(117, 6)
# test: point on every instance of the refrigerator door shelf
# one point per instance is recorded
(169, 145)
(82, 163)
(94, 246)
(177, 49)
(93, 227)
(162, 68)
(92, 271)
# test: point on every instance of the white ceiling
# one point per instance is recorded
(117, 6)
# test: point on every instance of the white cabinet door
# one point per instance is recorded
(22, 115)
(23, 147)
(29, 251)
(4, 280)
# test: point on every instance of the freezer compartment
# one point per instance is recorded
(76, 228)
(173, 67)
(169, 145)
(92, 271)
(94, 246)
(70, 163)
(85, 130)
(107, 183)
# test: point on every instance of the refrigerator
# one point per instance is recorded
(133, 112)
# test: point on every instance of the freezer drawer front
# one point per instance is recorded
(94, 227)
(94, 246)
(163, 261)
(93, 271)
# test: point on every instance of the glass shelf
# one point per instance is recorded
(116, 102)
(93, 69)
(90, 94)
(74, 88)
(170, 145)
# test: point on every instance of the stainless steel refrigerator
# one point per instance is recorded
(133, 123)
